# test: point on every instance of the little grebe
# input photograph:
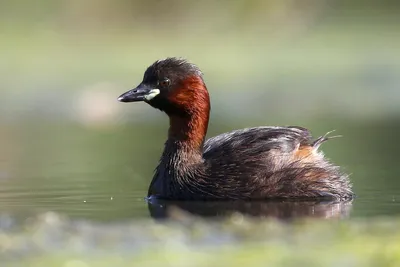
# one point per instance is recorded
(253, 163)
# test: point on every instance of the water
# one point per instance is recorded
(102, 173)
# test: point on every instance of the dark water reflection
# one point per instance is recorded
(103, 173)
(283, 210)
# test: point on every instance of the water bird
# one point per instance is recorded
(266, 162)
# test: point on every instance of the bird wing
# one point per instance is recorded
(253, 141)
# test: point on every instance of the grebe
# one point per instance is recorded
(253, 163)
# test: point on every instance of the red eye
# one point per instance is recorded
(164, 83)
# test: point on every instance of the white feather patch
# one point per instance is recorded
(152, 94)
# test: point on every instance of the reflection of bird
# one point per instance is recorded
(285, 210)
(253, 163)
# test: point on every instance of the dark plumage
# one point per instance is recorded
(253, 163)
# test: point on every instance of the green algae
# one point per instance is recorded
(53, 240)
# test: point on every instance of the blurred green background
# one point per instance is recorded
(67, 145)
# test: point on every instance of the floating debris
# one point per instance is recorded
(52, 239)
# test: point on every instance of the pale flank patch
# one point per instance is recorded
(152, 94)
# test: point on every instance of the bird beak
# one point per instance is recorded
(140, 93)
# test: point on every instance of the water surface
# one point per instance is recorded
(103, 173)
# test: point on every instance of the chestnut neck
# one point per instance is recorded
(188, 128)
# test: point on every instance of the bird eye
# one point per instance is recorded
(164, 83)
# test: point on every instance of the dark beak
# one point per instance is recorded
(140, 93)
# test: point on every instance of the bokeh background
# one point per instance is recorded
(67, 145)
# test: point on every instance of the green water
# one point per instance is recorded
(103, 173)
(67, 145)
(96, 178)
